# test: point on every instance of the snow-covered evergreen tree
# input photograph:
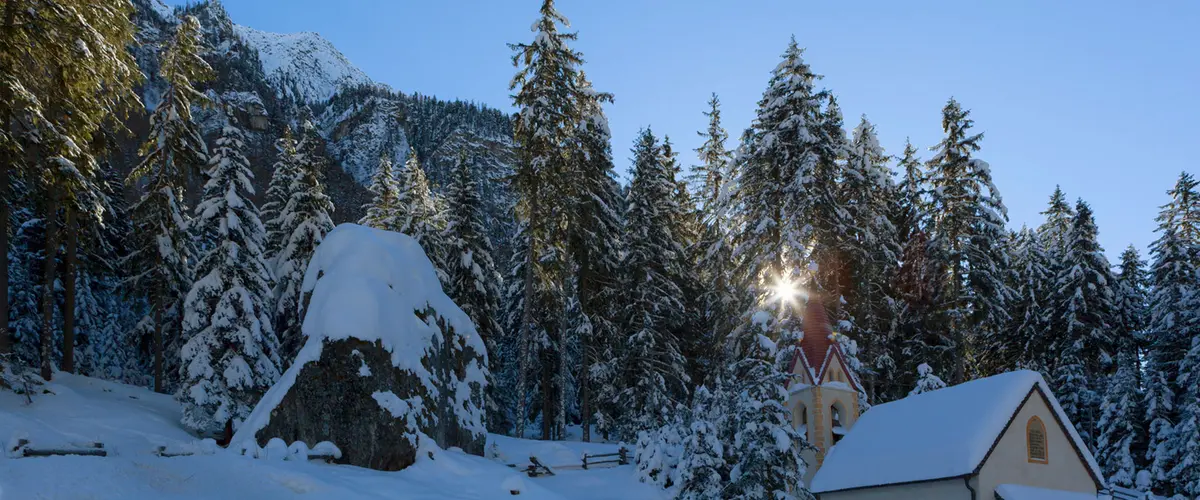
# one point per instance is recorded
(765, 448)
(231, 355)
(283, 174)
(870, 252)
(1082, 312)
(1120, 429)
(1184, 445)
(1026, 343)
(383, 212)
(304, 220)
(777, 172)
(546, 95)
(474, 282)
(702, 466)
(1057, 227)
(595, 247)
(419, 214)
(161, 253)
(653, 373)
(1174, 323)
(926, 380)
(967, 220)
(719, 297)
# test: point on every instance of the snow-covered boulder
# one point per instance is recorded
(390, 362)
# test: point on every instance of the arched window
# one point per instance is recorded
(1035, 441)
(802, 420)
(835, 417)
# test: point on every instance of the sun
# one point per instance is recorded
(786, 291)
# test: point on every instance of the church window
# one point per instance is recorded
(1035, 441)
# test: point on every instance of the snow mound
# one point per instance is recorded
(938, 434)
(304, 62)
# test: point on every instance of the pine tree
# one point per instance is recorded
(595, 246)
(419, 214)
(967, 220)
(474, 282)
(1082, 321)
(304, 220)
(926, 380)
(384, 209)
(718, 296)
(652, 365)
(776, 177)
(1055, 230)
(765, 450)
(231, 355)
(1174, 302)
(161, 250)
(283, 174)
(546, 97)
(1120, 430)
(1185, 444)
(702, 465)
(1027, 343)
(871, 251)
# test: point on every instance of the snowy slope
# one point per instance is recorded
(132, 421)
(305, 62)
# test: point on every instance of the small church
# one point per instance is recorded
(1003, 437)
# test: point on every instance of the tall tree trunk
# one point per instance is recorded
(523, 347)
(547, 395)
(68, 359)
(6, 99)
(5, 346)
(49, 268)
(158, 341)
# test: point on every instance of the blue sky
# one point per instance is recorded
(1100, 97)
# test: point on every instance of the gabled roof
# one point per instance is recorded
(818, 346)
(941, 434)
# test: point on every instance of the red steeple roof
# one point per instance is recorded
(818, 344)
(817, 332)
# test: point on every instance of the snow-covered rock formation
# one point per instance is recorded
(303, 64)
(390, 361)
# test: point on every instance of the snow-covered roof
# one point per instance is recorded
(936, 435)
(1022, 492)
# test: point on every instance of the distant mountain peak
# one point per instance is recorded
(303, 63)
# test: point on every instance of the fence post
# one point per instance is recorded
(624, 458)
(585, 457)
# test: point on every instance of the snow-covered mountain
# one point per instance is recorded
(302, 64)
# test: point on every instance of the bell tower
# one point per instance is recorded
(823, 391)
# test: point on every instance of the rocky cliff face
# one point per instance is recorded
(267, 79)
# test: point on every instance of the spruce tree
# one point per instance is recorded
(231, 355)
(1120, 430)
(718, 296)
(384, 209)
(967, 220)
(1028, 342)
(1174, 302)
(419, 214)
(1083, 309)
(652, 365)
(870, 251)
(546, 97)
(1185, 443)
(1055, 230)
(775, 180)
(765, 450)
(595, 246)
(285, 171)
(474, 282)
(304, 221)
(926, 380)
(161, 248)
(702, 465)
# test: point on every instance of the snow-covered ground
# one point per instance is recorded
(132, 422)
